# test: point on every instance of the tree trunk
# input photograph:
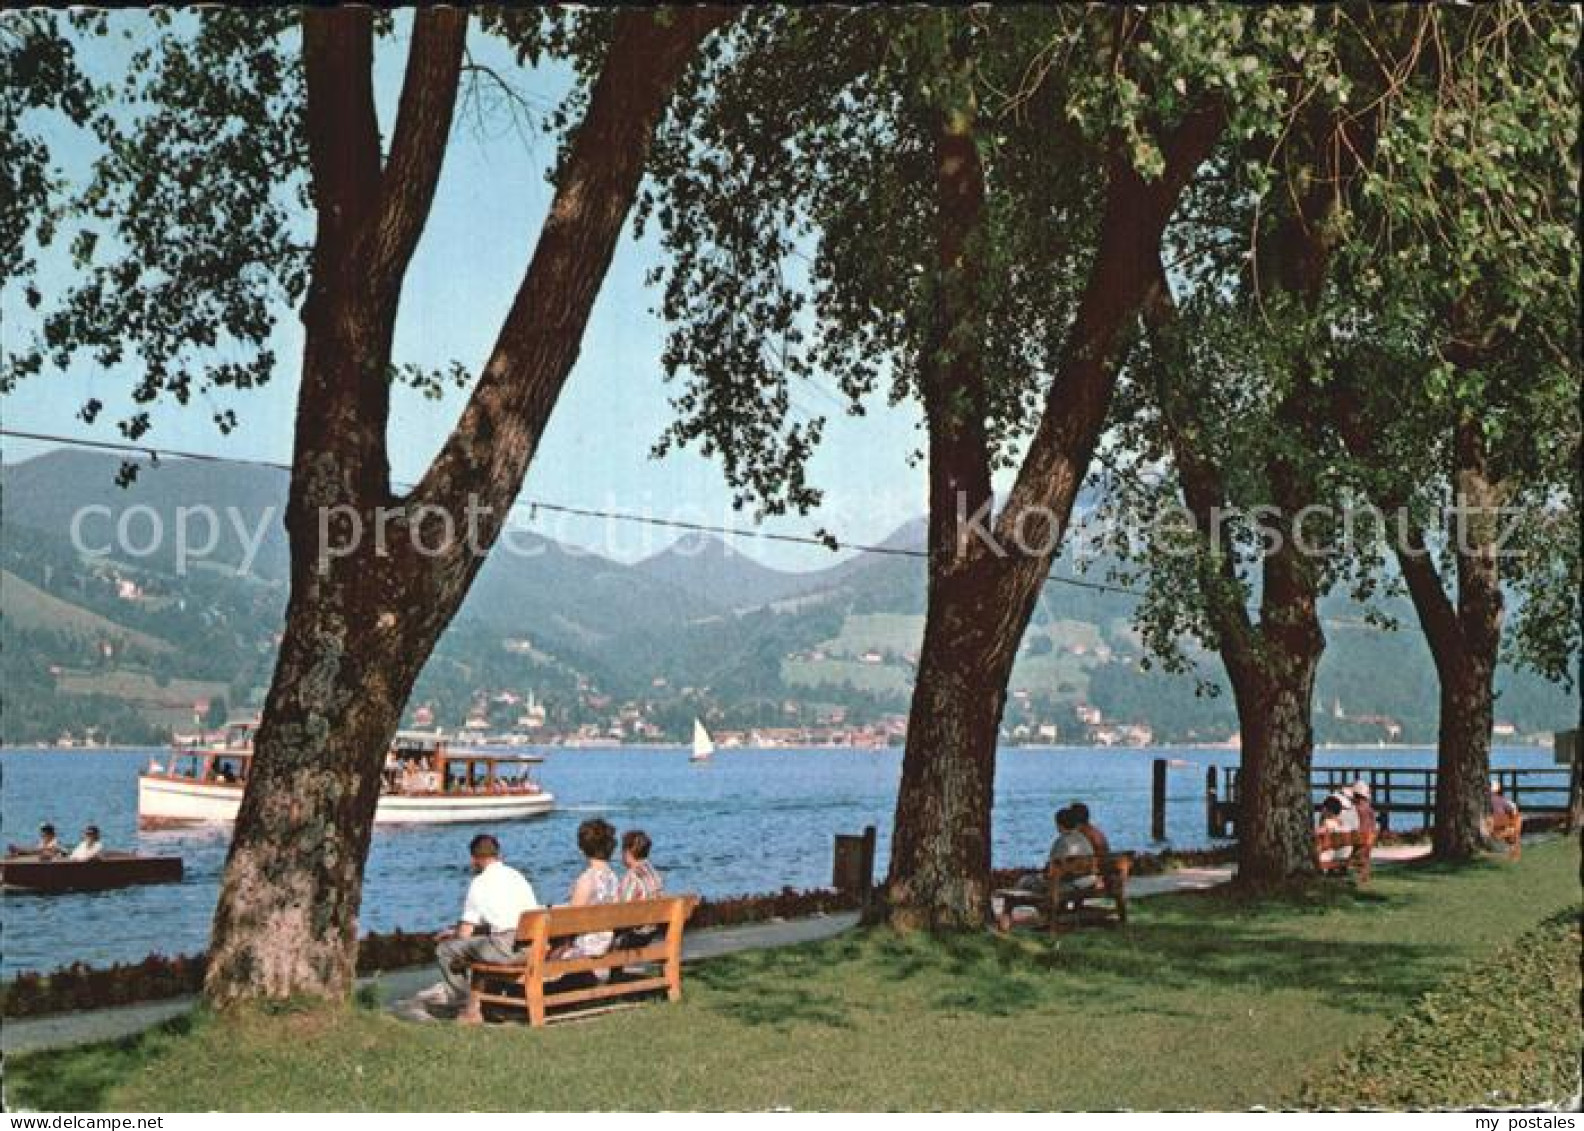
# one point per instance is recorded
(1462, 765)
(1271, 665)
(984, 583)
(1465, 638)
(985, 578)
(286, 924)
(1466, 660)
(940, 851)
(1275, 821)
(376, 579)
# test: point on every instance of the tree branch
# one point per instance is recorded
(1203, 489)
(343, 132)
(488, 452)
(1437, 616)
(344, 399)
(952, 371)
(418, 147)
(1124, 268)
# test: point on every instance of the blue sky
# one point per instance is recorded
(492, 198)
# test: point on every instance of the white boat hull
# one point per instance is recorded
(164, 801)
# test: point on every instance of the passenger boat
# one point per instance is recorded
(425, 781)
(29, 873)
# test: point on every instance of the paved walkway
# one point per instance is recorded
(90, 1026)
(1197, 879)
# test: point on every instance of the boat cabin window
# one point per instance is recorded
(463, 774)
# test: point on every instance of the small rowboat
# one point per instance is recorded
(109, 870)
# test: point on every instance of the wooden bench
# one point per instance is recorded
(1362, 844)
(1067, 907)
(1509, 830)
(539, 931)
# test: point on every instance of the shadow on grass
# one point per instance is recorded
(47, 1081)
(778, 988)
(1199, 944)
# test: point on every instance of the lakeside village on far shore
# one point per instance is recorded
(528, 723)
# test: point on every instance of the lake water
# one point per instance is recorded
(752, 821)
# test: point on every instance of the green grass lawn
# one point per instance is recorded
(1202, 1002)
(1502, 1033)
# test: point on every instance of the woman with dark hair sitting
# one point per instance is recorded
(595, 885)
(640, 881)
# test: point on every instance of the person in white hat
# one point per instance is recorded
(1504, 826)
(1501, 808)
(1363, 807)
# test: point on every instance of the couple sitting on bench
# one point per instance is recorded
(1346, 832)
(499, 896)
(1080, 865)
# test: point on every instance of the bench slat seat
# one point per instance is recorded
(1111, 872)
(537, 932)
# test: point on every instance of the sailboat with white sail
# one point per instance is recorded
(703, 744)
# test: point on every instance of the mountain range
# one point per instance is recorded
(702, 627)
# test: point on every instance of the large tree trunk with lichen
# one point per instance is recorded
(1275, 702)
(1276, 699)
(1463, 763)
(986, 571)
(287, 920)
(1466, 655)
(375, 577)
(940, 853)
(1275, 829)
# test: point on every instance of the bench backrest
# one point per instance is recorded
(1116, 864)
(537, 927)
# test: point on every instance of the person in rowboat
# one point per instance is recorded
(48, 847)
(90, 847)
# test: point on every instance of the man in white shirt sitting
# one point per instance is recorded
(487, 931)
(90, 847)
